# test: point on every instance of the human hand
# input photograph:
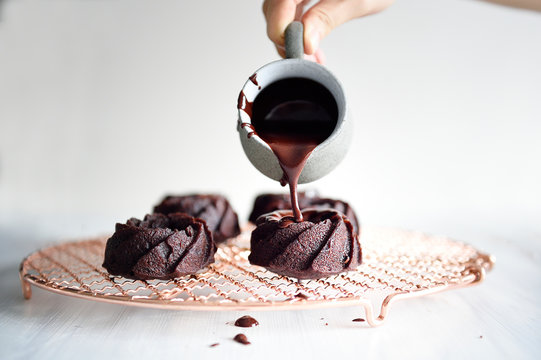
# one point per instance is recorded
(318, 20)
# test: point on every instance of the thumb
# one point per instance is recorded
(325, 15)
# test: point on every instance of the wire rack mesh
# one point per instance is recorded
(397, 264)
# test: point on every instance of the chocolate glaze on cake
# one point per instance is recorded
(214, 209)
(267, 203)
(324, 244)
(159, 247)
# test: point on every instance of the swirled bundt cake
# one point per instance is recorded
(324, 244)
(220, 217)
(159, 247)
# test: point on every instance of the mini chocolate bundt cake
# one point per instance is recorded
(324, 244)
(159, 247)
(220, 217)
(267, 203)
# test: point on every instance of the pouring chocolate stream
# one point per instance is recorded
(295, 107)
(293, 116)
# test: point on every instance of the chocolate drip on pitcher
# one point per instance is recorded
(252, 131)
(244, 105)
(253, 79)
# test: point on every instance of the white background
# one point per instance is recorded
(105, 106)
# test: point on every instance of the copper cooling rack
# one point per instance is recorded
(396, 265)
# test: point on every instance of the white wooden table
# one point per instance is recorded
(500, 318)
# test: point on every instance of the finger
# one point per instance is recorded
(281, 51)
(310, 57)
(320, 57)
(325, 15)
(300, 9)
(279, 13)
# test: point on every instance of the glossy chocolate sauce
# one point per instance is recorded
(293, 116)
(284, 219)
(249, 126)
(244, 105)
(246, 321)
(253, 79)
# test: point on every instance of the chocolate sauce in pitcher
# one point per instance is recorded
(293, 116)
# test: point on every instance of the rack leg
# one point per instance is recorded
(27, 288)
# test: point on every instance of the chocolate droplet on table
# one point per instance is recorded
(358, 320)
(214, 345)
(246, 321)
(241, 338)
